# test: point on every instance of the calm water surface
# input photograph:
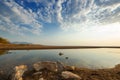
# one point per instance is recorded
(89, 58)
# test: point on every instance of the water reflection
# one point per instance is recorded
(2, 52)
(90, 58)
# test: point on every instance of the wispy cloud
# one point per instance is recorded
(44, 10)
(19, 20)
(87, 13)
(75, 15)
(59, 10)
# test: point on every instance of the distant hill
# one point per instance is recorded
(20, 42)
(4, 41)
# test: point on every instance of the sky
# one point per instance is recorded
(61, 22)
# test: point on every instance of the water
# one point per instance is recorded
(88, 58)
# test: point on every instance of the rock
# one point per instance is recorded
(66, 57)
(60, 54)
(117, 66)
(19, 71)
(70, 68)
(37, 73)
(70, 75)
(41, 79)
(61, 66)
(51, 66)
(1, 72)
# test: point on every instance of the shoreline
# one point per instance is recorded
(38, 47)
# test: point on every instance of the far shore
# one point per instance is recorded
(37, 47)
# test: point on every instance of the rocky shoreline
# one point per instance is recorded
(47, 70)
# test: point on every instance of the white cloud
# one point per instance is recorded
(45, 13)
(87, 13)
(48, 13)
(71, 14)
(59, 10)
(14, 22)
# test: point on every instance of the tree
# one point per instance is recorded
(4, 41)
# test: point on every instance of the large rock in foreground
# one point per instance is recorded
(51, 66)
(19, 71)
(48, 70)
(45, 70)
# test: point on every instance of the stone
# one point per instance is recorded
(70, 68)
(41, 79)
(37, 73)
(66, 57)
(60, 54)
(51, 66)
(70, 75)
(61, 66)
(19, 71)
(117, 66)
(1, 72)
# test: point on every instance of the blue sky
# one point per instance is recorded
(61, 22)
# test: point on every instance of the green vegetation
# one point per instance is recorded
(3, 41)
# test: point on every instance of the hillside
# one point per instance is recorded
(20, 42)
(3, 41)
